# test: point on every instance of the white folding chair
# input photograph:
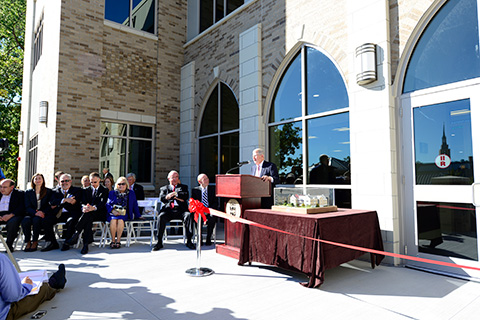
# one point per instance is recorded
(136, 227)
(98, 227)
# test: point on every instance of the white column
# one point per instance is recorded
(252, 124)
(372, 121)
(187, 124)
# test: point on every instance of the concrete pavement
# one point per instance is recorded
(135, 283)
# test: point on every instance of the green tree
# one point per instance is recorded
(12, 38)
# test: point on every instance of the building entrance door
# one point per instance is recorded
(441, 148)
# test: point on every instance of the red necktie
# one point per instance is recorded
(172, 204)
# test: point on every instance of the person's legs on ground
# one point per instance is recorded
(27, 232)
(31, 303)
(188, 221)
(164, 217)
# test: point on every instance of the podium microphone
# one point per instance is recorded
(239, 164)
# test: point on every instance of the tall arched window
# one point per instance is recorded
(311, 130)
(219, 132)
(448, 50)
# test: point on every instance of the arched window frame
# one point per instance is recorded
(304, 118)
(219, 133)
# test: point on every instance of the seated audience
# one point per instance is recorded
(94, 208)
(121, 206)
(206, 195)
(85, 182)
(37, 205)
(174, 197)
(138, 189)
(14, 298)
(109, 183)
(12, 209)
(65, 207)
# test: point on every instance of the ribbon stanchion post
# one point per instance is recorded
(199, 209)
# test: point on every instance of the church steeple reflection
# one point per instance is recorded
(444, 149)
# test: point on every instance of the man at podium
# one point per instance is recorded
(267, 171)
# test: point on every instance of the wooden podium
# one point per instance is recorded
(241, 192)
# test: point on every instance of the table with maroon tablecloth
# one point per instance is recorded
(353, 227)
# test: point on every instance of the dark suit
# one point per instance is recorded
(268, 169)
(17, 207)
(139, 194)
(179, 210)
(70, 216)
(213, 203)
(86, 220)
(30, 218)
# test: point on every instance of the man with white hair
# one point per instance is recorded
(66, 207)
(174, 197)
(266, 171)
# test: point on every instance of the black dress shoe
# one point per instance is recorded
(158, 246)
(190, 245)
(51, 246)
(84, 249)
(73, 240)
(65, 247)
(58, 280)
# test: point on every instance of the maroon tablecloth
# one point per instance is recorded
(353, 227)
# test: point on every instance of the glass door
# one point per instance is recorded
(441, 152)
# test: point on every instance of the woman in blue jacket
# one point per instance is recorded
(121, 206)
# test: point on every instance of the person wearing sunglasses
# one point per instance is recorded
(66, 207)
(121, 206)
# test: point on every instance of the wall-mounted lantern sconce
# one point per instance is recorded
(43, 112)
(20, 138)
(366, 62)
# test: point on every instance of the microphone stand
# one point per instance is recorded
(239, 165)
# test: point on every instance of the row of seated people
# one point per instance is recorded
(42, 208)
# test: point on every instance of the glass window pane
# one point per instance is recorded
(141, 132)
(443, 143)
(206, 14)
(229, 150)
(113, 155)
(287, 103)
(448, 50)
(118, 11)
(329, 149)
(209, 156)
(113, 129)
(210, 115)
(229, 109)
(232, 5)
(143, 15)
(447, 229)
(286, 151)
(325, 87)
(219, 10)
(140, 159)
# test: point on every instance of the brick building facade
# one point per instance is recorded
(249, 57)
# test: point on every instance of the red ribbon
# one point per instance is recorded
(198, 208)
(348, 246)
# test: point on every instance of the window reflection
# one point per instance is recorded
(229, 152)
(325, 88)
(140, 159)
(448, 50)
(142, 13)
(209, 156)
(329, 149)
(447, 229)
(443, 132)
(223, 110)
(286, 151)
(287, 103)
